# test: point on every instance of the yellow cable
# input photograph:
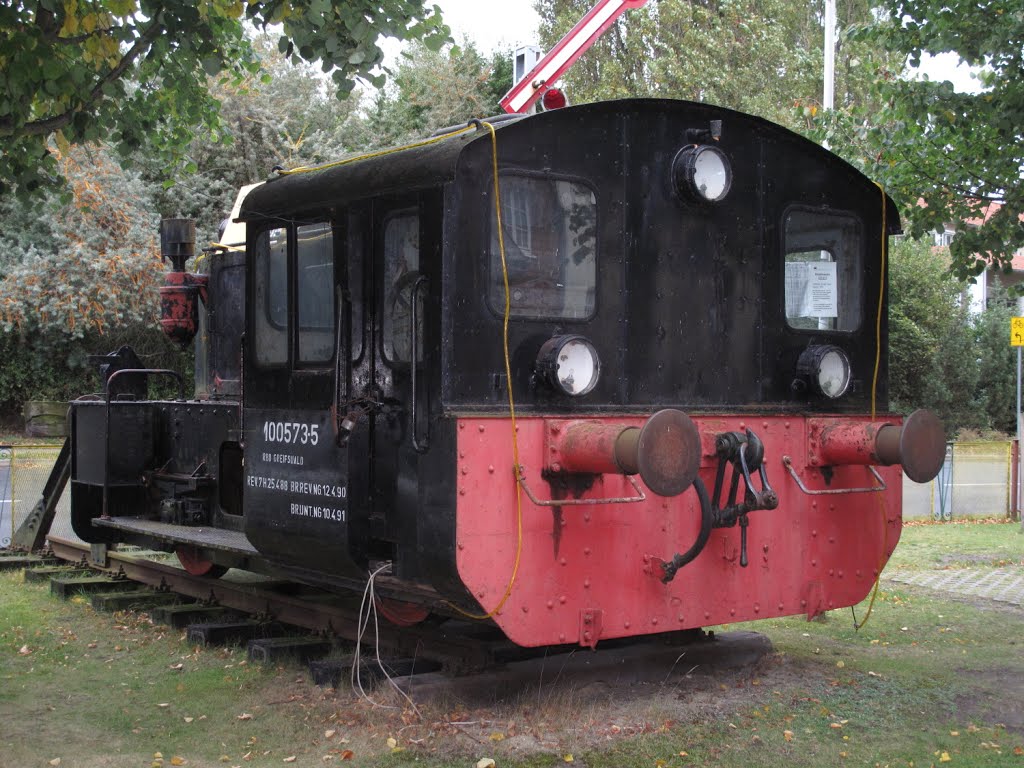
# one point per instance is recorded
(516, 469)
(874, 391)
(381, 153)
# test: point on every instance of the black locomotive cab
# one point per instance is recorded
(510, 360)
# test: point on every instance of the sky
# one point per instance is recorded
(510, 23)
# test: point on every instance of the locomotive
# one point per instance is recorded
(604, 371)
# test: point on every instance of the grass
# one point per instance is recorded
(927, 682)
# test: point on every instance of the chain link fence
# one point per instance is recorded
(24, 470)
(975, 481)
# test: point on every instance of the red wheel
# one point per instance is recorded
(197, 565)
(400, 613)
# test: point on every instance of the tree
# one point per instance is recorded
(924, 302)
(435, 89)
(757, 56)
(135, 72)
(949, 157)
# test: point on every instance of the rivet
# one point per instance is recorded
(647, 558)
(480, 593)
(526, 609)
(586, 635)
(491, 469)
(840, 574)
(462, 425)
(732, 611)
(757, 608)
(764, 424)
(814, 563)
(481, 427)
(786, 425)
(561, 599)
(462, 491)
(830, 603)
(551, 604)
(858, 574)
(562, 561)
(707, 614)
(461, 545)
(814, 533)
(831, 539)
(681, 619)
(803, 603)
(555, 429)
(781, 606)
(556, 467)
(554, 449)
(465, 470)
(654, 621)
(626, 623)
(586, 517)
(586, 550)
(831, 571)
(462, 454)
(765, 547)
(586, 583)
(561, 637)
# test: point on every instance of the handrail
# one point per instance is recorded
(521, 479)
(419, 445)
(787, 462)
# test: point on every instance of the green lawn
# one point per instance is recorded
(928, 681)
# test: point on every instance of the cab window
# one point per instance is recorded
(313, 276)
(401, 273)
(549, 228)
(824, 270)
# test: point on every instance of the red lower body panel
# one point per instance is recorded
(593, 572)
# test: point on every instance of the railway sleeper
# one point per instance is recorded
(14, 561)
(230, 632)
(132, 600)
(270, 650)
(48, 572)
(66, 587)
(181, 615)
(333, 673)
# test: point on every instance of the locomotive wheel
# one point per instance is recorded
(399, 612)
(197, 565)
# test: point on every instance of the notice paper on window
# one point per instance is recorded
(811, 289)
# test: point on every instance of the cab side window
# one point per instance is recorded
(312, 247)
(401, 271)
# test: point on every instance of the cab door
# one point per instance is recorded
(296, 467)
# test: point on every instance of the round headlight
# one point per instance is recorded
(825, 369)
(569, 364)
(702, 172)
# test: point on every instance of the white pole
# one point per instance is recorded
(828, 102)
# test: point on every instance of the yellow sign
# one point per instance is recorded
(1017, 331)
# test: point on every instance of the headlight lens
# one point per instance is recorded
(825, 369)
(702, 172)
(570, 364)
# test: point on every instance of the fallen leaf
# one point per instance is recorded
(568, 758)
(392, 742)
(835, 725)
(954, 733)
(944, 757)
(55, 761)
(164, 705)
(176, 760)
(244, 716)
(179, 665)
(158, 755)
(189, 719)
(485, 762)
(684, 754)
(347, 754)
(329, 734)
(787, 735)
(497, 737)
(24, 650)
(290, 759)
(1018, 751)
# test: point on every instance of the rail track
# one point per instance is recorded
(268, 610)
